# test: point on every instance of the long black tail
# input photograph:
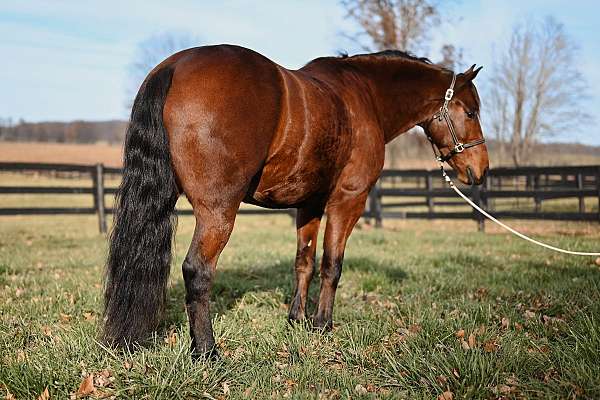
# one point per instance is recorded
(139, 258)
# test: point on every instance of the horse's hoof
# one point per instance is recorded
(321, 324)
(209, 355)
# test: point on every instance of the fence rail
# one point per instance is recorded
(397, 194)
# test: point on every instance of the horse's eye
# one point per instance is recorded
(471, 114)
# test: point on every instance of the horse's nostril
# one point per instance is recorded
(470, 179)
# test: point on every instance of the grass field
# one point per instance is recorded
(423, 310)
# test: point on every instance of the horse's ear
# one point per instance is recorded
(467, 76)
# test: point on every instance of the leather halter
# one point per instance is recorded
(443, 113)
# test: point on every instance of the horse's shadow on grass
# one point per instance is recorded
(231, 284)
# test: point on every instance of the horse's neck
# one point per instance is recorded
(405, 93)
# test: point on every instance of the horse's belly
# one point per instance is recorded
(273, 189)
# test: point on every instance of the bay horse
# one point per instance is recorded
(225, 125)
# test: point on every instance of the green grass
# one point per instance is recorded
(404, 296)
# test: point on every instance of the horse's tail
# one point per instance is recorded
(140, 244)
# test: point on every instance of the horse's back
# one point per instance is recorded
(236, 119)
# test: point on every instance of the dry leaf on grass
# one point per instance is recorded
(472, 342)
(65, 317)
(89, 316)
(46, 330)
(460, 333)
(597, 261)
(490, 346)
(225, 389)
(360, 389)
(45, 395)
(171, 338)
(86, 387)
(505, 322)
(447, 395)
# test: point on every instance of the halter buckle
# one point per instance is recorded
(449, 94)
(459, 148)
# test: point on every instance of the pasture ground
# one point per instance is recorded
(424, 309)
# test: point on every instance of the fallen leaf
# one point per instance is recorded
(490, 346)
(360, 389)
(465, 345)
(65, 317)
(45, 395)
(504, 389)
(460, 333)
(89, 316)
(518, 326)
(447, 395)
(127, 365)
(472, 341)
(455, 372)
(505, 323)
(104, 378)
(46, 330)
(9, 396)
(21, 356)
(441, 380)
(529, 314)
(597, 261)
(86, 387)
(225, 389)
(19, 292)
(171, 338)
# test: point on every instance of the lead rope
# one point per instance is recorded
(508, 228)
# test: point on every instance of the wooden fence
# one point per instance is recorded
(423, 194)
(397, 194)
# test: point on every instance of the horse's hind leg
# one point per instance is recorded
(210, 236)
(307, 225)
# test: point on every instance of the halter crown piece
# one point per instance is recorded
(443, 114)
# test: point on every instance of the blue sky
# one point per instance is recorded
(64, 60)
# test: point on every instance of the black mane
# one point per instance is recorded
(392, 54)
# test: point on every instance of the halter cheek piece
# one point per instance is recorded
(443, 113)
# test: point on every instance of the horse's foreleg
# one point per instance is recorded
(341, 218)
(210, 236)
(307, 225)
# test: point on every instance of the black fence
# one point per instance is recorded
(520, 193)
(523, 193)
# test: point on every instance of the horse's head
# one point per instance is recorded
(455, 129)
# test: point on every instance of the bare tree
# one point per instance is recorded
(150, 52)
(394, 24)
(536, 87)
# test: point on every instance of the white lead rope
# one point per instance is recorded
(508, 228)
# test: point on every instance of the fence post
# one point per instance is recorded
(477, 216)
(375, 204)
(536, 198)
(598, 190)
(579, 178)
(99, 197)
(429, 187)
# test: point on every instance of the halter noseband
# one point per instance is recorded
(443, 113)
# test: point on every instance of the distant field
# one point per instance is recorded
(61, 153)
(110, 155)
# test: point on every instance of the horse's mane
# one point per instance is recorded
(390, 54)
(381, 55)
